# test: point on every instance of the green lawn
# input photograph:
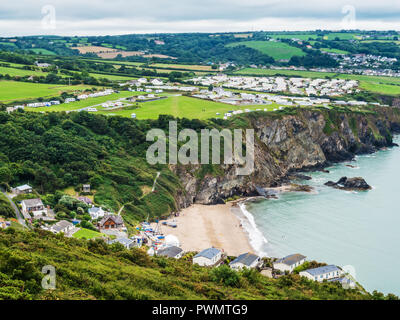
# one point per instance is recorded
(277, 50)
(20, 72)
(15, 91)
(87, 234)
(380, 88)
(182, 106)
(272, 72)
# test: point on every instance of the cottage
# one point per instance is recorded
(96, 213)
(23, 189)
(171, 252)
(62, 226)
(322, 273)
(289, 263)
(207, 257)
(245, 260)
(127, 243)
(86, 188)
(111, 222)
(34, 206)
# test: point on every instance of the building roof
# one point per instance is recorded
(85, 200)
(61, 225)
(33, 202)
(24, 187)
(123, 241)
(116, 219)
(322, 270)
(170, 252)
(291, 259)
(246, 258)
(208, 253)
(94, 209)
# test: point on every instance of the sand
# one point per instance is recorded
(203, 226)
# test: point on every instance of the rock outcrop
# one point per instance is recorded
(345, 183)
(286, 143)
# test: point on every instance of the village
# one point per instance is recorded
(110, 228)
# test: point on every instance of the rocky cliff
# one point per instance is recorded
(289, 142)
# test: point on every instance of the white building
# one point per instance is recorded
(62, 226)
(322, 273)
(245, 260)
(127, 243)
(207, 257)
(26, 188)
(96, 213)
(171, 252)
(289, 263)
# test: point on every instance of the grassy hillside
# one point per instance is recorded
(94, 270)
(277, 50)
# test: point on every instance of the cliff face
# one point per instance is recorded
(285, 143)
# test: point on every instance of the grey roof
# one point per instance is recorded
(116, 219)
(208, 253)
(291, 259)
(171, 252)
(61, 225)
(123, 241)
(33, 202)
(322, 270)
(94, 209)
(24, 187)
(246, 258)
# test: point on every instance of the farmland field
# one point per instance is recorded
(334, 51)
(277, 50)
(14, 90)
(182, 66)
(301, 36)
(42, 51)
(20, 72)
(272, 72)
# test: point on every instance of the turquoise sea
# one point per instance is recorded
(361, 229)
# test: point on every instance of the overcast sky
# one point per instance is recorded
(110, 17)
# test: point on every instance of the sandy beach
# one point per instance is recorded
(203, 226)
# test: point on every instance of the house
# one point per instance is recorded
(86, 200)
(289, 263)
(96, 213)
(207, 257)
(245, 260)
(156, 82)
(171, 252)
(133, 116)
(68, 100)
(34, 206)
(127, 243)
(111, 222)
(26, 188)
(322, 273)
(62, 226)
(86, 188)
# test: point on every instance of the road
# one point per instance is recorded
(155, 181)
(16, 210)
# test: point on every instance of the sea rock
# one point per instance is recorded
(301, 188)
(299, 176)
(345, 183)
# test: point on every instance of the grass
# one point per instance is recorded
(182, 66)
(338, 51)
(17, 91)
(277, 50)
(273, 72)
(301, 36)
(43, 51)
(20, 72)
(87, 234)
(182, 106)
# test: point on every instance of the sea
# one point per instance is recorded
(359, 230)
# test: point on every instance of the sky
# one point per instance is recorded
(113, 17)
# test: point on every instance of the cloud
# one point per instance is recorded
(98, 17)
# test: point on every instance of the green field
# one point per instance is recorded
(42, 51)
(20, 72)
(277, 50)
(300, 36)
(273, 72)
(87, 234)
(182, 106)
(334, 51)
(14, 90)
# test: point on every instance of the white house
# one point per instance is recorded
(171, 252)
(322, 273)
(245, 260)
(207, 257)
(133, 115)
(34, 206)
(26, 188)
(156, 82)
(96, 213)
(289, 263)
